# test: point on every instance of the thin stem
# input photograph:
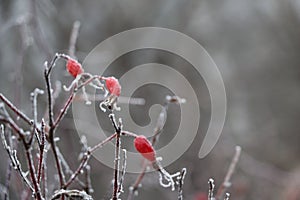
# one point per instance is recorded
(71, 194)
(37, 33)
(34, 95)
(7, 181)
(89, 80)
(51, 116)
(123, 170)
(16, 110)
(67, 168)
(73, 38)
(16, 163)
(227, 196)
(32, 173)
(127, 133)
(44, 174)
(180, 183)
(49, 92)
(159, 126)
(121, 99)
(101, 144)
(118, 129)
(57, 162)
(137, 182)
(42, 148)
(85, 159)
(158, 129)
(9, 167)
(64, 109)
(82, 164)
(227, 180)
(116, 173)
(211, 187)
(88, 183)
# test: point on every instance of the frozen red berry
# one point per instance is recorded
(144, 147)
(74, 67)
(113, 86)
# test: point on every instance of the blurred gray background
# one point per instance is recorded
(254, 43)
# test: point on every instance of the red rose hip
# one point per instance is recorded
(113, 86)
(144, 147)
(74, 67)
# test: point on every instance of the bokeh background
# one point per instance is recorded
(255, 45)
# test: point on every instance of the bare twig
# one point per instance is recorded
(56, 91)
(180, 182)
(16, 110)
(85, 159)
(14, 126)
(227, 180)
(121, 99)
(133, 189)
(26, 41)
(88, 183)
(227, 196)
(34, 95)
(37, 33)
(37, 191)
(42, 148)
(71, 194)
(51, 117)
(82, 164)
(63, 111)
(12, 153)
(73, 38)
(118, 129)
(158, 129)
(44, 174)
(211, 187)
(53, 124)
(99, 145)
(9, 166)
(123, 171)
(14, 160)
(67, 167)
(130, 134)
